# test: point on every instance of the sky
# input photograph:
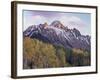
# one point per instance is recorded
(81, 21)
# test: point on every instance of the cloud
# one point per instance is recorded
(76, 21)
(64, 19)
(39, 19)
(69, 20)
(33, 20)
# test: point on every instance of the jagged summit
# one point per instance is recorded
(57, 23)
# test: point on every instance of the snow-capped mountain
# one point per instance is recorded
(57, 34)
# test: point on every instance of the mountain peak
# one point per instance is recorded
(45, 24)
(57, 24)
(56, 21)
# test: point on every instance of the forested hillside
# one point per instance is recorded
(39, 54)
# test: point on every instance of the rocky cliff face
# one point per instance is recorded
(57, 34)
